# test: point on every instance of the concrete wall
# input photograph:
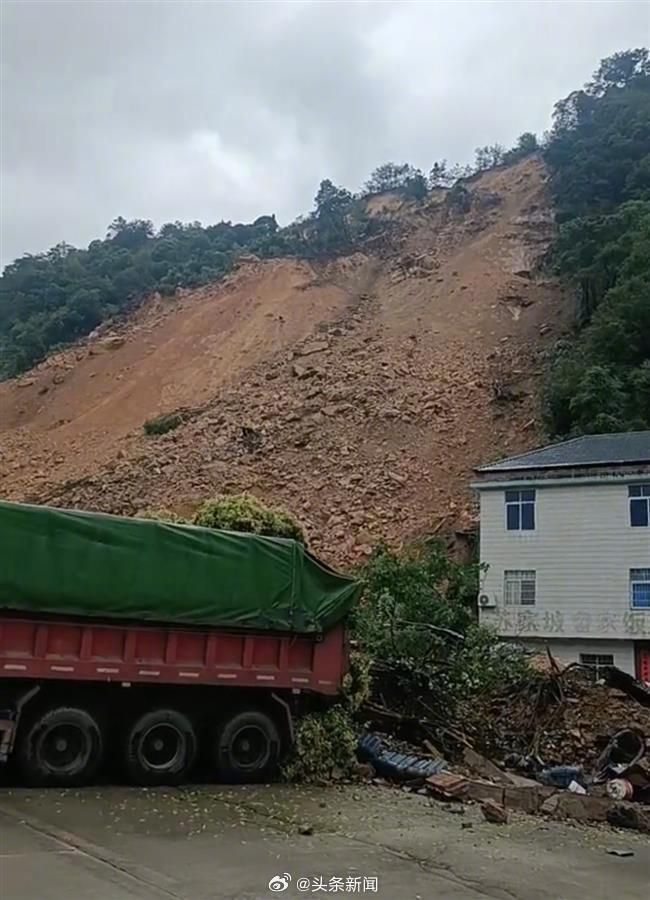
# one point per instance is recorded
(582, 550)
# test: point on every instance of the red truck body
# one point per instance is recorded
(97, 673)
(77, 691)
(91, 651)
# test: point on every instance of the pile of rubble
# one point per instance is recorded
(560, 745)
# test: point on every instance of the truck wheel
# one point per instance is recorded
(247, 748)
(160, 748)
(61, 747)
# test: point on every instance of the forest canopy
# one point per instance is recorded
(599, 155)
(49, 299)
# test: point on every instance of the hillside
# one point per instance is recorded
(359, 393)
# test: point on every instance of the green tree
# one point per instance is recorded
(388, 177)
(600, 141)
(527, 143)
(457, 172)
(130, 234)
(439, 175)
(639, 382)
(620, 70)
(415, 187)
(333, 206)
(598, 404)
(489, 156)
(599, 155)
(417, 623)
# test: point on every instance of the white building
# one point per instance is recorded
(565, 534)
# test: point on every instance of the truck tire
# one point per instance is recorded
(160, 748)
(61, 746)
(246, 748)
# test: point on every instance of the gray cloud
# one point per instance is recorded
(209, 110)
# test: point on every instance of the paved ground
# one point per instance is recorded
(213, 843)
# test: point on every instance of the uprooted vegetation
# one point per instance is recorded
(419, 655)
(324, 748)
(440, 685)
(417, 623)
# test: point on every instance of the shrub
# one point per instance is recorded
(324, 748)
(164, 423)
(243, 512)
(356, 682)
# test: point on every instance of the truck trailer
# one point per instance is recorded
(142, 647)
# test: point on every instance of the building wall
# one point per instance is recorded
(570, 651)
(582, 549)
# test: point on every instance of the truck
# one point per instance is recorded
(147, 648)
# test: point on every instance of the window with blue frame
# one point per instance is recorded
(639, 505)
(640, 588)
(520, 510)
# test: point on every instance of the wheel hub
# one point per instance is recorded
(64, 748)
(162, 747)
(250, 747)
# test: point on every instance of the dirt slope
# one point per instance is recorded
(359, 394)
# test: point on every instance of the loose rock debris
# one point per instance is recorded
(558, 745)
(374, 394)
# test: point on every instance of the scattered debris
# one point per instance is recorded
(620, 789)
(616, 678)
(301, 372)
(622, 853)
(313, 347)
(576, 788)
(394, 765)
(625, 749)
(558, 719)
(551, 715)
(447, 786)
(561, 776)
(113, 342)
(630, 816)
(251, 438)
(484, 767)
(494, 812)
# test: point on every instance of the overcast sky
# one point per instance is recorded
(230, 110)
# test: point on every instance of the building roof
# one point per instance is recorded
(590, 450)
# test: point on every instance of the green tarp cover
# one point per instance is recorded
(88, 564)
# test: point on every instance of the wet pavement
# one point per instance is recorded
(217, 843)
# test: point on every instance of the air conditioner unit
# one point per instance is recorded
(486, 602)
